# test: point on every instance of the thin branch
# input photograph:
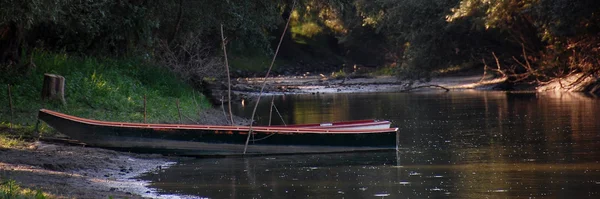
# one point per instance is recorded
(267, 76)
(228, 76)
(498, 65)
(224, 114)
(527, 65)
(271, 109)
(484, 69)
(525, 56)
(425, 86)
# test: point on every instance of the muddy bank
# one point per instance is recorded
(249, 87)
(69, 171)
(75, 171)
(321, 84)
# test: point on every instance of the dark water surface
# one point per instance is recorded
(454, 145)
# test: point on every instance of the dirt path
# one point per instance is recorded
(79, 172)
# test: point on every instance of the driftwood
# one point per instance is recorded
(53, 88)
(425, 86)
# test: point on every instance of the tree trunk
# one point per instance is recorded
(53, 88)
(10, 44)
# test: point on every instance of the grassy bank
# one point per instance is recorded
(11, 190)
(98, 88)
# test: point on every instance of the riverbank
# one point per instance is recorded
(321, 84)
(66, 171)
(75, 171)
(315, 84)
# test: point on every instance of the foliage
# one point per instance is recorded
(78, 26)
(254, 64)
(384, 71)
(126, 26)
(341, 74)
(533, 39)
(8, 142)
(105, 89)
(191, 60)
(11, 190)
(556, 37)
(133, 28)
(419, 30)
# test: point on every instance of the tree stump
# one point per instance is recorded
(53, 88)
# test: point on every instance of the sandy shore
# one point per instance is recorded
(80, 172)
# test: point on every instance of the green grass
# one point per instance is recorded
(341, 74)
(16, 136)
(9, 189)
(384, 71)
(98, 88)
(9, 142)
(465, 68)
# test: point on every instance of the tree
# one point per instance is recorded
(557, 37)
(16, 18)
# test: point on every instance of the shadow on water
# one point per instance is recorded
(454, 145)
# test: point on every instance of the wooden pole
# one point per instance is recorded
(223, 107)
(195, 103)
(178, 111)
(267, 76)
(10, 105)
(144, 108)
(271, 109)
(228, 76)
(199, 105)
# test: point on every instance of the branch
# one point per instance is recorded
(267, 76)
(498, 65)
(484, 69)
(425, 86)
(228, 76)
(527, 65)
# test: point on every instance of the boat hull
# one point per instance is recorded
(352, 125)
(199, 140)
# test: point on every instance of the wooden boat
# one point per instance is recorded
(209, 140)
(348, 125)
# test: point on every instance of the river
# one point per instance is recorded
(465, 144)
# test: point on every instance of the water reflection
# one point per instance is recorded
(455, 145)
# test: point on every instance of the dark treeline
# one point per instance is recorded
(527, 40)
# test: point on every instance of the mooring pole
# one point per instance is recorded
(10, 105)
(271, 110)
(398, 159)
(228, 75)
(178, 111)
(267, 76)
(144, 108)
(37, 130)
